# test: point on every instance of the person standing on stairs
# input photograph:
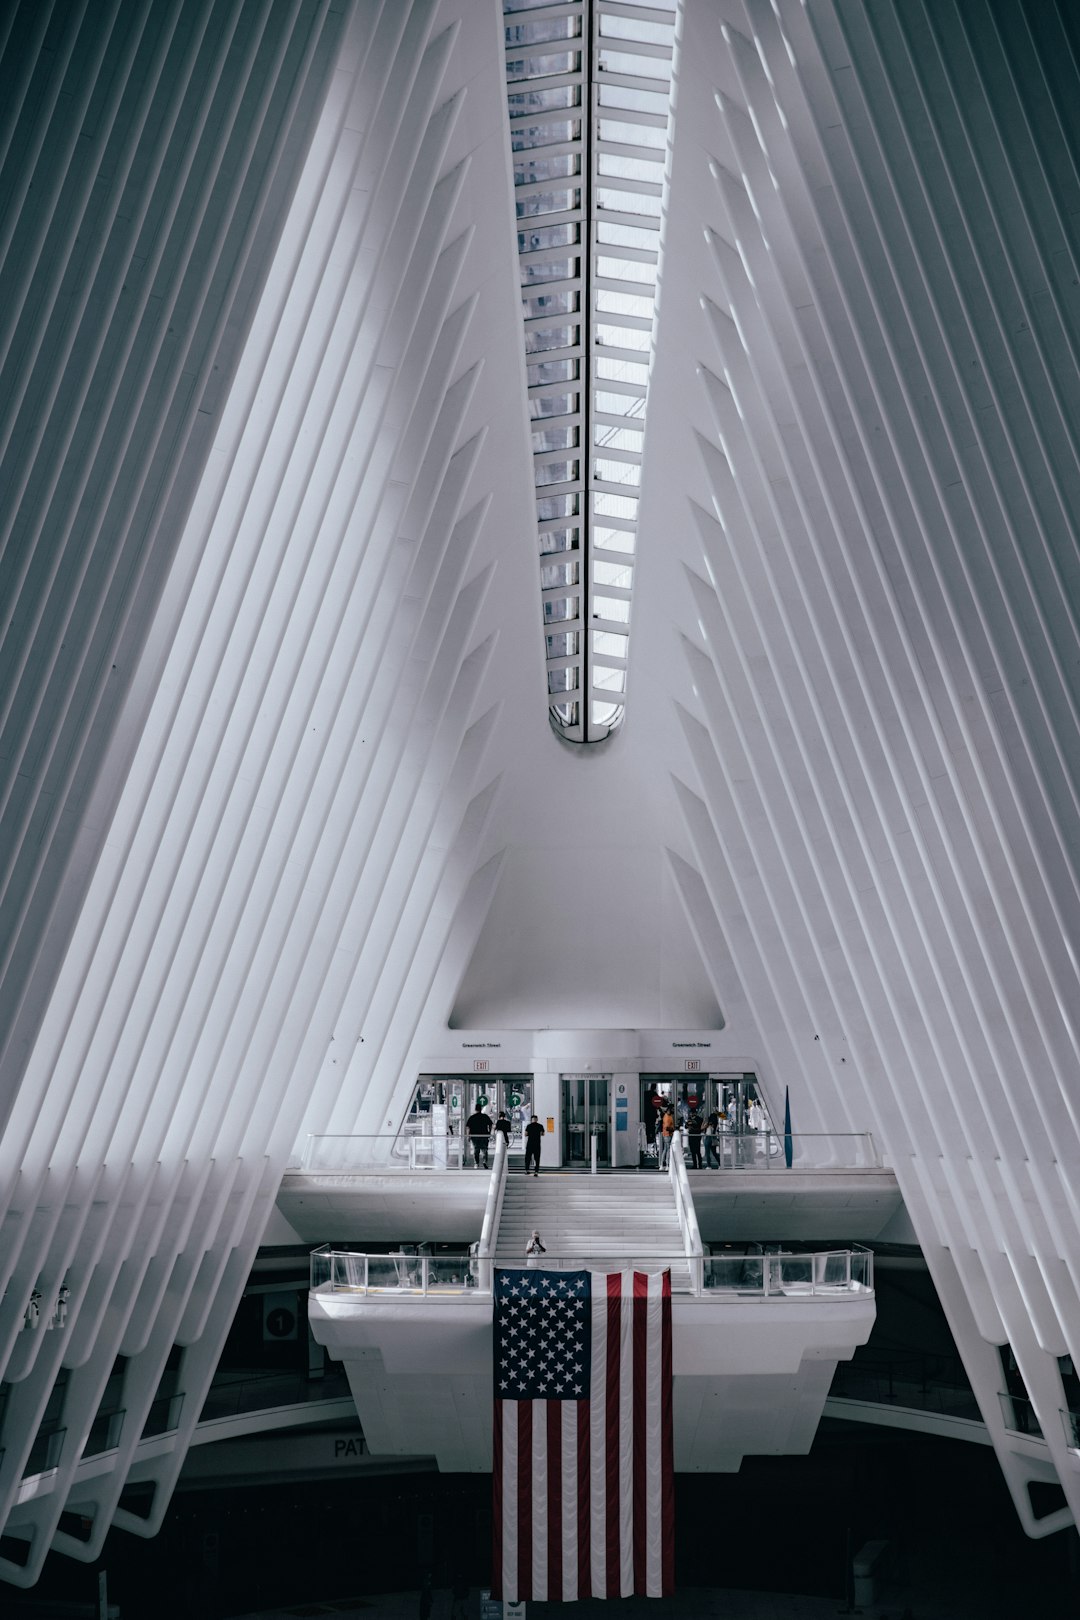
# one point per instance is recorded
(478, 1130)
(534, 1135)
(534, 1248)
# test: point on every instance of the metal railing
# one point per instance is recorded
(237, 1396)
(735, 1150)
(920, 1380)
(684, 1205)
(768, 1150)
(829, 1274)
(489, 1232)
(1020, 1415)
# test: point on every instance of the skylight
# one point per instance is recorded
(588, 86)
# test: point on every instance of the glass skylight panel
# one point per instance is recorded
(589, 137)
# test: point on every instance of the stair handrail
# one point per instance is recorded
(489, 1231)
(684, 1206)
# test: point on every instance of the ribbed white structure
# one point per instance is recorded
(295, 788)
(280, 798)
(870, 269)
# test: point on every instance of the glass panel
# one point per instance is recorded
(610, 607)
(609, 680)
(607, 643)
(623, 337)
(540, 67)
(565, 713)
(616, 472)
(621, 370)
(560, 608)
(562, 680)
(615, 539)
(558, 472)
(624, 303)
(621, 202)
(614, 129)
(559, 303)
(523, 136)
(619, 438)
(561, 438)
(626, 270)
(635, 236)
(620, 404)
(528, 171)
(652, 33)
(631, 64)
(552, 371)
(562, 573)
(620, 167)
(564, 644)
(549, 507)
(539, 33)
(622, 506)
(555, 99)
(538, 203)
(534, 272)
(607, 714)
(556, 540)
(542, 405)
(619, 574)
(549, 236)
(537, 339)
(632, 99)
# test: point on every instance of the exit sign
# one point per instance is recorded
(693, 1065)
(481, 1065)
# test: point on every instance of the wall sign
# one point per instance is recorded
(692, 1065)
(481, 1065)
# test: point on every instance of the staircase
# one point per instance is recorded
(593, 1221)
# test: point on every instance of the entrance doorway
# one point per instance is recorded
(586, 1110)
(442, 1103)
(729, 1095)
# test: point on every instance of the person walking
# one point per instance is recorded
(667, 1131)
(693, 1132)
(711, 1133)
(534, 1135)
(478, 1130)
(503, 1127)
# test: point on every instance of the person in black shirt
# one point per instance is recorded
(478, 1130)
(534, 1135)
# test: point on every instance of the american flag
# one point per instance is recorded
(584, 1499)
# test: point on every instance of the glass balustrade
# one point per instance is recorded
(746, 1150)
(830, 1274)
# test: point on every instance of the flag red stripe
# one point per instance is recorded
(554, 1512)
(497, 1503)
(584, 1501)
(524, 1500)
(612, 1433)
(643, 1394)
(667, 1477)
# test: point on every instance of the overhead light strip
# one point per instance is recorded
(588, 84)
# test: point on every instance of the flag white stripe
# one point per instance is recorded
(569, 1502)
(626, 1437)
(654, 1569)
(598, 1437)
(539, 1501)
(509, 1493)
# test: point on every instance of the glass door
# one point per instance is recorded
(586, 1109)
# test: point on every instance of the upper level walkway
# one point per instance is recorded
(412, 1189)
